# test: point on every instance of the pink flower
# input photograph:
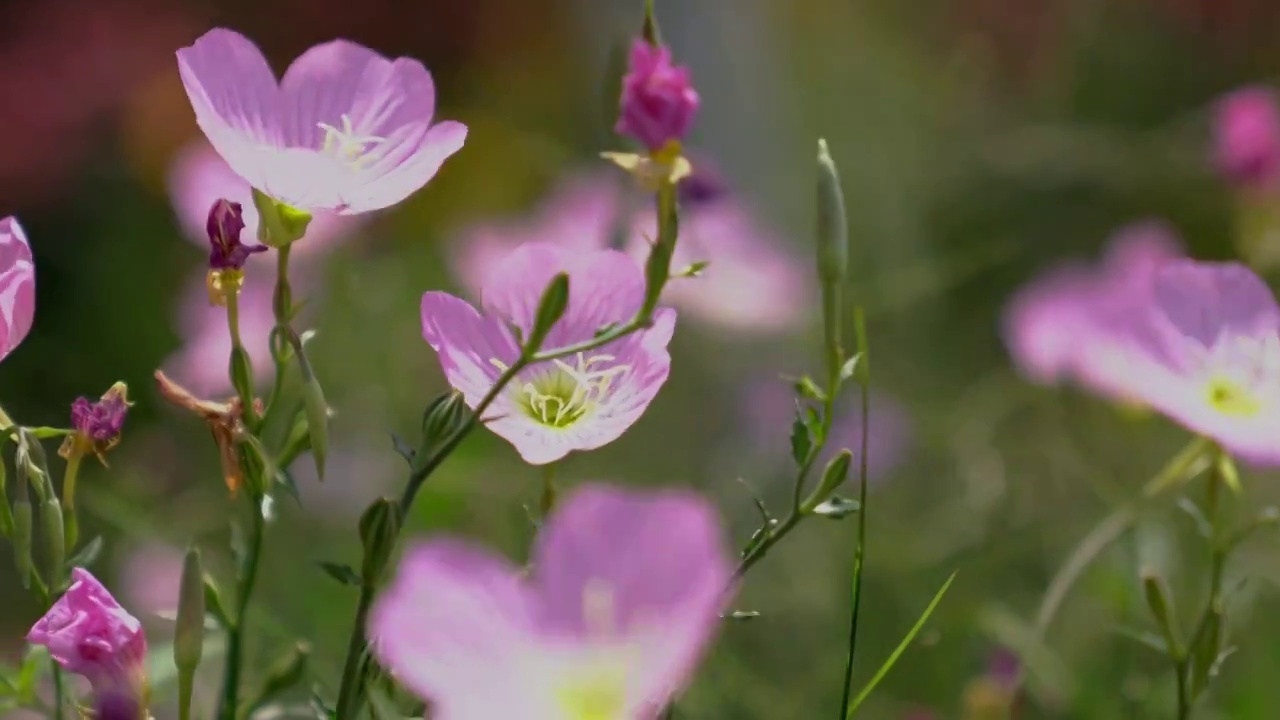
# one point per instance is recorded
(554, 408)
(17, 286)
(89, 634)
(201, 365)
(625, 593)
(1055, 324)
(579, 214)
(1247, 138)
(151, 576)
(346, 130)
(199, 176)
(1204, 350)
(658, 99)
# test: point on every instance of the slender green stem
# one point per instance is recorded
(71, 522)
(864, 381)
(235, 635)
(548, 500)
(185, 684)
(57, 692)
(281, 308)
(351, 692)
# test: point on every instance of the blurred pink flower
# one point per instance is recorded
(578, 214)
(89, 634)
(770, 408)
(753, 284)
(346, 130)
(1204, 350)
(201, 365)
(658, 99)
(554, 408)
(1247, 138)
(1049, 325)
(625, 594)
(17, 286)
(150, 578)
(199, 176)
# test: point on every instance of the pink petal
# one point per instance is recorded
(17, 286)
(236, 101)
(656, 561)
(411, 158)
(466, 343)
(1205, 300)
(454, 619)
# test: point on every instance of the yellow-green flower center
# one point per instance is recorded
(561, 394)
(599, 692)
(344, 144)
(600, 698)
(1231, 398)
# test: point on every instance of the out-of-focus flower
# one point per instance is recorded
(97, 423)
(346, 130)
(625, 594)
(201, 364)
(17, 286)
(579, 214)
(1059, 321)
(769, 408)
(1205, 351)
(225, 223)
(150, 578)
(1247, 138)
(89, 634)
(658, 99)
(553, 408)
(990, 695)
(199, 175)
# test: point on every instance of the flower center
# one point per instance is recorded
(599, 693)
(346, 145)
(1244, 373)
(600, 698)
(562, 394)
(1231, 398)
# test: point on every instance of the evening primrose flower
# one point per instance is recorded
(89, 634)
(17, 286)
(659, 102)
(1247, 138)
(1205, 351)
(1063, 319)
(624, 596)
(580, 402)
(345, 130)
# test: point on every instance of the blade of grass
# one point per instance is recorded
(902, 647)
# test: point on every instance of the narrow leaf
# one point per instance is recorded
(342, 573)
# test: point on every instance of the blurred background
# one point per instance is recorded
(980, 143)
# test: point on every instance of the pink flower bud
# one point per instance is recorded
(658, 99)
(89, 634)
(1247, 138)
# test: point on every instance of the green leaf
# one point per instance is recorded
(805, 387)
(902, 647)
(837, 508)
(344, 574)
(801, 437)
(693, 269)
(87, 555)
(1146, 638)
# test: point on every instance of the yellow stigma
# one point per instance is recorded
(1231, 398)
(565, 393)
(600, 692)
(600, 699)
(346, 145)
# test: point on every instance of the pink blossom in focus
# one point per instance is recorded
(578, 214)
(346, 130)
(658, 99)
(1204, 350)
(1048, 325)
(625, 594)
(201, 365)
(1247, 138)
(581, 402)
(89, 634)
(199, 176)
(17, 286)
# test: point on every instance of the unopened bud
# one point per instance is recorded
(188, 634)
(226, 252)
(54, 535)
(1160, 600)
(551, 307)
(659, 102)
(832, 477)
(315, 407)
(379, 528)
(442, 418)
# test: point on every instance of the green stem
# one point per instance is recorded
(548, 500)
(71, 521)
(235, 636)
(351, 692)
(864, 374)
(57, 692)
(185, 685)
(281, 308)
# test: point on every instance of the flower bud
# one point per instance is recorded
(379, 528)
(659, 102)
(1247, 139)
(279, 224)
(53, 532)
(188, 634)
(551, 307)
(832, 477)
(1160, 601)
(833, 253)
(315, 407)
(6, 515)
(442, 418)
(22, 521)
(225, 223)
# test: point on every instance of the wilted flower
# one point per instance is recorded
(97, 423)
(89, 634)
(658, 98)
(199, 174)
(625, 593)
(1060, 321)
(346, 130)
(553, 408)
(1247, 138)
(17, 286)
(226, 252)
